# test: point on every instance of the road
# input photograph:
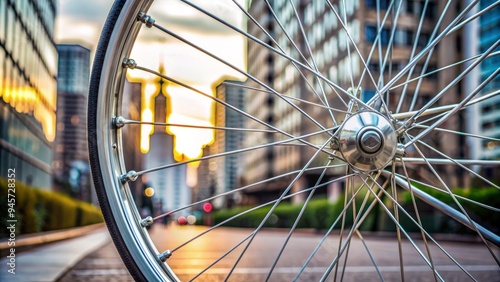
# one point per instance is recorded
(192, 258)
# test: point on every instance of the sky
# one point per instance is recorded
(81, 22)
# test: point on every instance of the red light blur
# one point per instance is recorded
(207, 207)
(181, 220)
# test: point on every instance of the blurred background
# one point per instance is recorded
(46, 51)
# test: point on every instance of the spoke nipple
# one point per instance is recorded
(145, 19)
(399, 126)
(335, 144)
(129, 63)
(119, 121)
(129, 176)
(356, 93)
(165, 255)
(400, 151)
(148, 221)
(401, 130)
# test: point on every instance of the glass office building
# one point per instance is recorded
(490, 118)
(28, 68)
(335, 58)
(72, 91)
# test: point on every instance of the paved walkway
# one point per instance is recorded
(102, 265)
(50, 262)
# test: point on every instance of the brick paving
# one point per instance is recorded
(105, 264)
(102, 265)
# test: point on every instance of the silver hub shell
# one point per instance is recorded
(368, 141)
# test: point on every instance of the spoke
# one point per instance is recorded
(456, 132)
(222, 257)
(253, 38)
(435, 203)
(310, 189)
(332, 226)
(241, 71)
(444, 192)
(275, 205)
(370, 255)
(446, 209)
(357, 223)
(476, 15)
(299, 216)
(390, 45)
(380, 27)
(287, 35)
(419, 251)
(457, 108)
(315, 66)
(459, 164)
(470, 223)
(244, 188)
(442, 69)
(444, 109)
(283, 51)
(436, 161)
(376, 42)
(129, 121)
(226, 104)
(349, 188)
(427, 49)
(348, 49)
(162, 167)
(423, 74)
(379, 93)
(429, 55)
(289, 97)
(396, 215)
(417, 214)
(414, 49)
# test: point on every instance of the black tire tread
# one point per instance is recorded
(102, 197)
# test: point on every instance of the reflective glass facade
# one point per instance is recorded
(490, 118)
(28, 68)
(72, 91)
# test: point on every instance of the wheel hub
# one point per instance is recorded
(368, 141)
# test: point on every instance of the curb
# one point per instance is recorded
(28, 241)
(47, 263)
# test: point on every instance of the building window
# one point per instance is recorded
(367, 94)
(370, 33)
(372, 4)
(75, 120)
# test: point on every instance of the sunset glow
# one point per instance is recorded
(184, 63)
(27, 101)
(189, 142)
(180, 61)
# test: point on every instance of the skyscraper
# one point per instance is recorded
(28, 69)
(312, 33)
(131, 135)
(228, 167)
(71, 152)
(258, 164)
(489, 117)
(169, 185)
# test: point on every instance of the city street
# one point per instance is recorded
(188, 261)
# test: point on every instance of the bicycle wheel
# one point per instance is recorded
(355, 117)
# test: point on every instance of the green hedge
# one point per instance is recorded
(321, 213)
(41, 210)
(484, 195)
